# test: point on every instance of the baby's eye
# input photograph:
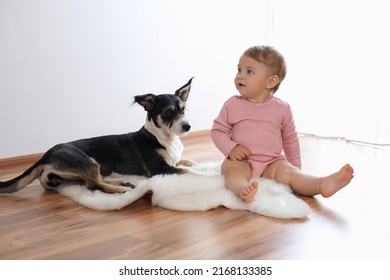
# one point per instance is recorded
(239, 70)
(249, 71)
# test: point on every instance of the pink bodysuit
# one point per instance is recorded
(266, 129)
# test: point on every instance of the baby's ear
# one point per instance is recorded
(272, 81)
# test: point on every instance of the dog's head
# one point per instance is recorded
(166, 111)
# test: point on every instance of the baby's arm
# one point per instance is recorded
(221, 133)
(291, 146)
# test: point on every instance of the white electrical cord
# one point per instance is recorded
(352, 141)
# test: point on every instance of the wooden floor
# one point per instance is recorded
(353, 224)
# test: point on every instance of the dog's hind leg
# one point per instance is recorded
(94, 181)
(52, 179)
(69, 165)
(119, 182)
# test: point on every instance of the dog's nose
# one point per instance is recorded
(186, 127)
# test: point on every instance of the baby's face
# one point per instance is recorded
(252, 79)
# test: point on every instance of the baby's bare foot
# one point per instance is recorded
(333, 183)
(248, 193)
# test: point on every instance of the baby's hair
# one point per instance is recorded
(270, 57)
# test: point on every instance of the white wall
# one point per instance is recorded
(338, 58)
(69, 68)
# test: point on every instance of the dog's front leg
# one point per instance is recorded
(194, 170)
(192, 167)
(186, 162)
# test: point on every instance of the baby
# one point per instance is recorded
(254, 128)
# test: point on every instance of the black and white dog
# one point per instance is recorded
(154, 149)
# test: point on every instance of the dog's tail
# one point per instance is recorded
(23, 180)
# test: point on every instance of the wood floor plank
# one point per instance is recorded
(353, 224)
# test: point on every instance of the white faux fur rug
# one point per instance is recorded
(199, 192)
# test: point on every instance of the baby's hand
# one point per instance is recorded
(239, 153)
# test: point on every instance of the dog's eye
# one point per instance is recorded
(181, 110)
(169, 114)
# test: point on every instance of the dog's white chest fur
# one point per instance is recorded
(174, 148)
(172, 144)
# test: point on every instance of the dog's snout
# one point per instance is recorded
(186, 127)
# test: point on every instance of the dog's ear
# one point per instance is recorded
(146, 101)
(184, 91)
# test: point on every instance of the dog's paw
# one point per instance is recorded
(186, 162)
(127, 185)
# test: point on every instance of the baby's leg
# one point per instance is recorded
(282, 171)
(237, 175)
